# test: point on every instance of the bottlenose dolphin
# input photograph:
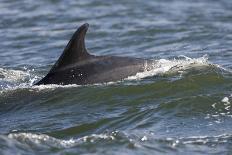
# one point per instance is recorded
(77, 66)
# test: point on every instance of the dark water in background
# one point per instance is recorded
(183, 106)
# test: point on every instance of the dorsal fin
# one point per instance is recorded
(75, 50)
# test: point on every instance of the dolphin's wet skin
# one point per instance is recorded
(77, 66)
(149, 77)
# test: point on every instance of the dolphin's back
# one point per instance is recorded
(77, 66)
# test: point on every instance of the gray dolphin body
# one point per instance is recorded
(77, 66)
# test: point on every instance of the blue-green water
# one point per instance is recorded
(181, 107)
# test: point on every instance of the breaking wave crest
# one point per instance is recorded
(43, 139)
(12, 75)
(177, 65)
(18, 141)
(18, 79)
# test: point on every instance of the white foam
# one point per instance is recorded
(44, 139)
(53, 86)
(144, 138)
(41, 139)
(204, 140)
(163, 66)
(13, 75)
(225, 100)
(38, 88)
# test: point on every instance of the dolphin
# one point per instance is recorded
(77, 66)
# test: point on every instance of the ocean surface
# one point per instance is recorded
(183, 106)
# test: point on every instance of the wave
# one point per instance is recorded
(31, 138)
(10, 78)
(179, 65)
(12, 75)
(18, 79)
(24, 143)
(49, 141)
(130, 142)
